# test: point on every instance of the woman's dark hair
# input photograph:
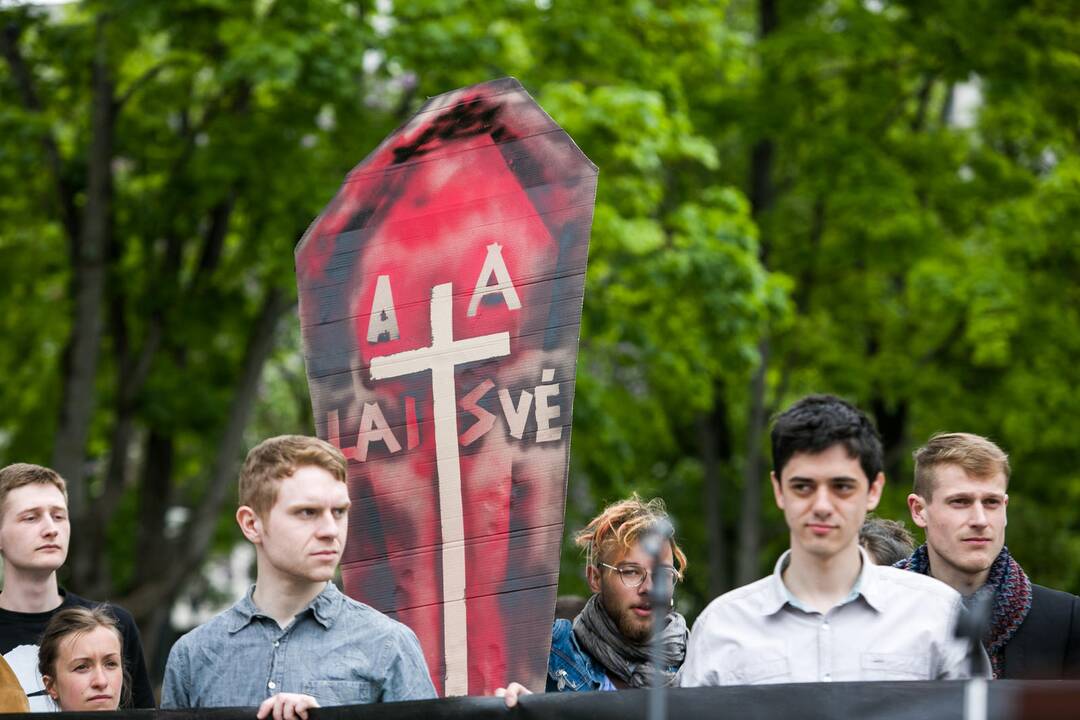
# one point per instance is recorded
(816, 423)
(887, 541)
(78, 621)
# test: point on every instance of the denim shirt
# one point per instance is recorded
(337, 650)
(570, 667)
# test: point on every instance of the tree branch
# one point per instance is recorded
(88, 288)
(191, 548)
(923, 102)
(138, 83)
(214, 239)
(955, 335)
(20, 72)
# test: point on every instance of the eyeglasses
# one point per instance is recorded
(633, 575)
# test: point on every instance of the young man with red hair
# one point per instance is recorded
(295, 641)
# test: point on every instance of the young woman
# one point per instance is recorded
(81, 662)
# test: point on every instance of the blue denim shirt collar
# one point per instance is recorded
(324, 608)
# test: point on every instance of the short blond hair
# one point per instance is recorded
(977, 456)
(618, 528)
(276, 458)
(19, 475)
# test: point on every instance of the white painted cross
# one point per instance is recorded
(442, 358)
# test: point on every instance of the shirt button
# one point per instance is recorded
(271, 685)
(824, 626)
(828, 677)
(276, 643)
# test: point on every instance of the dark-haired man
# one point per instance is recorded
(959, 499)
(827, 613)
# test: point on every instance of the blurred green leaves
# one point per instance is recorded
(920, 257)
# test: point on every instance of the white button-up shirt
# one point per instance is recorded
(894, 625)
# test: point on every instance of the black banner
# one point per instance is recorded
(1008, 700)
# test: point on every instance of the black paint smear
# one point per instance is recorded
(465, 120)
(359, 220)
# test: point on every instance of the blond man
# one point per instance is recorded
(960, 497)
(34, 535)
(607, 646)
(295, 642)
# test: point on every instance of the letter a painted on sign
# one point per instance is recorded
(383, 323)
(373, 426)
(494, 265)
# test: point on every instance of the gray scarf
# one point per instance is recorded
(629, 661)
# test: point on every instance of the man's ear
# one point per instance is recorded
(250, 524)
(777, 494)
(592, 576)
(917, 506)
(875, 491)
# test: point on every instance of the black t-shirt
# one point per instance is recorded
(20, 634)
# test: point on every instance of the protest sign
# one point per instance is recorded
(440, 299)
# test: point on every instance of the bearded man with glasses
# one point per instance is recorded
(607, 646)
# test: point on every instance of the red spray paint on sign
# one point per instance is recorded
(440, 299)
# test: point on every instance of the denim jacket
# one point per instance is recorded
(570, 667)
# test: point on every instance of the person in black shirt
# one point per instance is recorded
(34, 534)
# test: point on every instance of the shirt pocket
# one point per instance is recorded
(894, 666)
(340, 692)
(758, 668)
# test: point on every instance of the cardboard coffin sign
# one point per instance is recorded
(440, 299)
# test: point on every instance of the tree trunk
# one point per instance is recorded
(748, 568)
(88, 289)
(155, 497)
(24, 81)
(715, 455)
(188, 552)
(892, 424)
(762, 197)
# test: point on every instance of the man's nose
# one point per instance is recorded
(646, 585)
(49, 526)
(328, 525)
(822, 501)
(978, 515)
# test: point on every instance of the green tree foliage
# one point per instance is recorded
(165, 158)
(919, 292)
(795, 196)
